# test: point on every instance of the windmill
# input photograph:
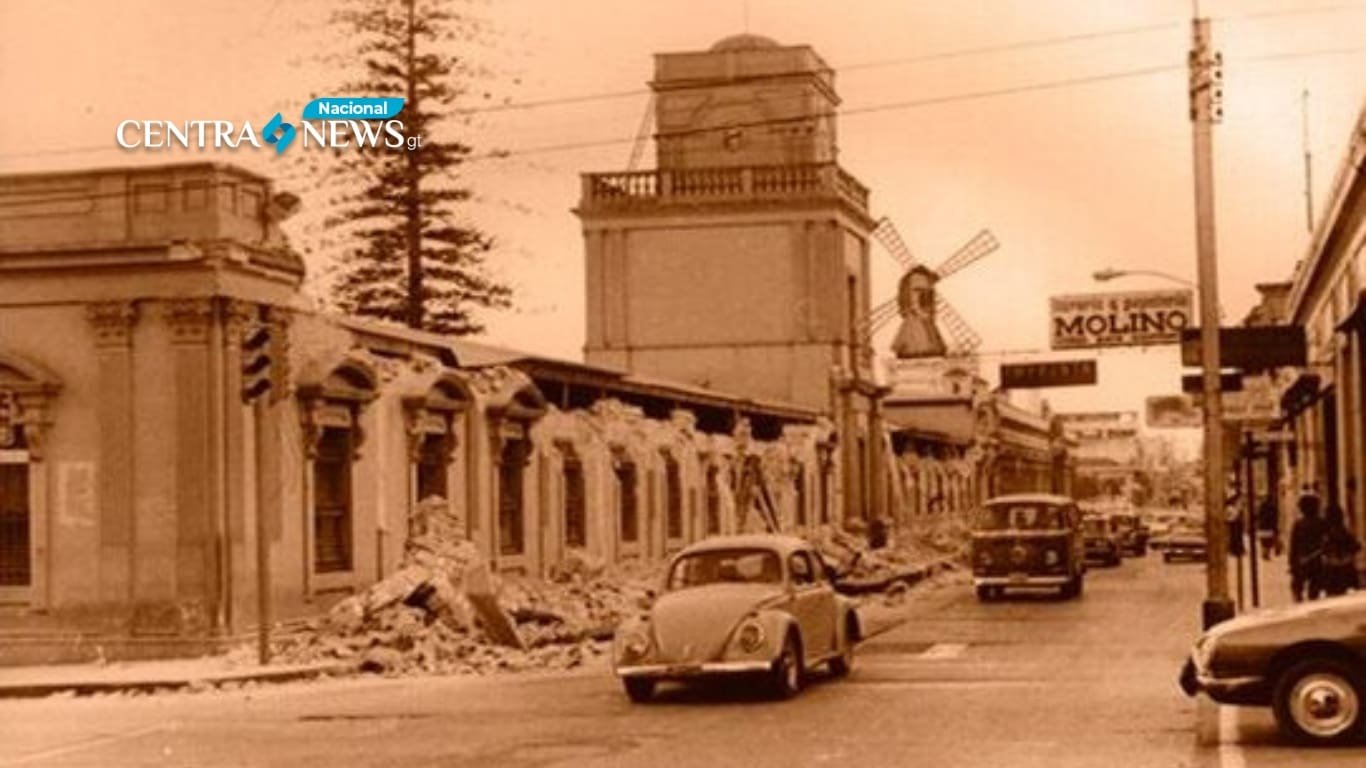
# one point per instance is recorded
(922, 310)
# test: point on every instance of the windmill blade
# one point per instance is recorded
(877, 317)
(980, 245)
(963, 340)
(886, 233)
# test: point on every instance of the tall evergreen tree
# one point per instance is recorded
(411, 258)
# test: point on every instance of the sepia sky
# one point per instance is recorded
(1070, 178)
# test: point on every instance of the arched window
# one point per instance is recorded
(331, 410)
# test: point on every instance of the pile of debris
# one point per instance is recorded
(444, 612)
(864, 568)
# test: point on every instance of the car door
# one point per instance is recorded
(813, 605)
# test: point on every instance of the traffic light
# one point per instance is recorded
(256, 362)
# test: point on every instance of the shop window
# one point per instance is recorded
(575, 513)
(431, 467)
(629, 512)
(332, 501)
(673, 498)
(511, 527)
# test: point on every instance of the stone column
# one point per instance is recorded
(198, 590)
(112, 323)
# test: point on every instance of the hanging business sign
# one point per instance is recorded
(1173, 412)
(1252, 348)
(1056, 373)
(1129, 319)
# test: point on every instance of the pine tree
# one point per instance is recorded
(411, 258)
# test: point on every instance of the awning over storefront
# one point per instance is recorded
(1355, 322)
(1300, 395)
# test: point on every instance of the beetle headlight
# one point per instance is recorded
(751, 637)
(634, 643)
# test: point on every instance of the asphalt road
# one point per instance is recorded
(1022, 682)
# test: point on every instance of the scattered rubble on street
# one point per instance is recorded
(445, 612)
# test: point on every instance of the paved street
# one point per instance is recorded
(1024, 682)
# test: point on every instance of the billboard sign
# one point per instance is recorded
(1057, 373)
(1128, 319)
(1174, 412)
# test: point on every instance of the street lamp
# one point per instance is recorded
(1102, 275)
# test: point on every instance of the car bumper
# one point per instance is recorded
(1021, 581)
(1243, 691)
(704, 669)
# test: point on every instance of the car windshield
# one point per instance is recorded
(1020, 517)
(1095, 526)
(730, 566)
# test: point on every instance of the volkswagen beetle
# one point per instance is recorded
(1306, 662)
(761, 606)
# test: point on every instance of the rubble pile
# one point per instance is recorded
(847, 551)
(443, 612)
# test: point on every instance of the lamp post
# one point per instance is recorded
(1103, 275)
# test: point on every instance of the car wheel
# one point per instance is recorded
(785, 679)
(986, 594)
(1166, 557)
(844, 662)
(1319, 701)
(638, 689)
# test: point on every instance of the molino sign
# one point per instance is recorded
(1136, 318)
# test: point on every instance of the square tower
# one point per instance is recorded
(741, 262)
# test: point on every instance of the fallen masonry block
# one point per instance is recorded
(482, 594)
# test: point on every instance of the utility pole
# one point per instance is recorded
(1206, 97)
(1308, 162)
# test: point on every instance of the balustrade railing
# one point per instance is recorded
(700, 185)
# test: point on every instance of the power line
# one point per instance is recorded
(848, 112)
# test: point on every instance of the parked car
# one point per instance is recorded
(1185, 542)
(1028, 540)
(1102, 539)
(1133, 533)
(1306, 662)
(762, 606)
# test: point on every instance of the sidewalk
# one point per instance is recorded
(149, 676)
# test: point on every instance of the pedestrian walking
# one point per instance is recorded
(1340, 549)
(1269, 527)
(1306, 549)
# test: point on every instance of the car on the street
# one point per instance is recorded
(1186, 541)
(1027, 540)
(1102, 539)
(762, 606)
(1133, 533)
(1307, 662)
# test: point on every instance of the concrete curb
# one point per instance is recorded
(165, 683)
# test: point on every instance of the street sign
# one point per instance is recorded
(1057, 373)
(1256, 348)
(1173, 412)
(1194, 384)
(1129, 319)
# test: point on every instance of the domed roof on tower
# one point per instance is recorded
(744, 42)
